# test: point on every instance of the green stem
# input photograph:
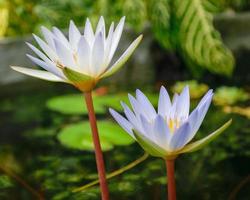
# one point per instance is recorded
(115, 173)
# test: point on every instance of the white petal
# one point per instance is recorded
(88, 33)
(46, 49)
(39, 53)
(108, 44)
(83, 55)
(164, 103)
(74, 35)
(145, 103)
(49, 37)
(38, 74)
(97, 55)
(51, 67)
(101, 27)
(60, 36)
(65, 55)
(125, 124)
(125, 56)
(116, 37)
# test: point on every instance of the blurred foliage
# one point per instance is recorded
(244, 111)
(197, 38)
(79, 136)
(180, 26)
(4, 18)
(230, 95)
(196, 89)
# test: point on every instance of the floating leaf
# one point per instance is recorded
(78, 136)
(74, 103)
(196, 89)
(230, 95)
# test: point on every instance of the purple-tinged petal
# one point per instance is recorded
(125, 124)
(162, 132)
(183, 104)
(164, 103)
(148, 129)
(180, 137)
(145, 103)
(129, 114)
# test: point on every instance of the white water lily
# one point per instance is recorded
(82, 59)
(166, 133)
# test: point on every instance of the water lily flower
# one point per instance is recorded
(80, 59)
(166, 133)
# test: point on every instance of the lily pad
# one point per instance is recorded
(196, 89)
(78, 136)
(230, 95)
(74, 103)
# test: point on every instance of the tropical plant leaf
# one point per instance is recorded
(136, 13)
(198, 39)
(159, 13)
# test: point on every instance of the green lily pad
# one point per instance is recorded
(72, 104)
(78, 136)
(75, 104)
(230, 95)
(196, 89)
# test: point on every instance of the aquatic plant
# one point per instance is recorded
(81, 60)
(166, 133)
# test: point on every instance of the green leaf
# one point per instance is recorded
(203, 142)
(79, 136)
(149, 146)
(198, 39)
(74, 103)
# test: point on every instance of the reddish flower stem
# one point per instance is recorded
(98, 150)
(171, 180)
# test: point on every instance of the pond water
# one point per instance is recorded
(30, 148)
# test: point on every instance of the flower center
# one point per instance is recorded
(173, 124)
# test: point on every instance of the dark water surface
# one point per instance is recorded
(29, 148)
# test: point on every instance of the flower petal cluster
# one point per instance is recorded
(167, 132)
(80, 59)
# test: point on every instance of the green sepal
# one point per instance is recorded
(75, 76)
(203, 142)
(83, 82)
(149, 146)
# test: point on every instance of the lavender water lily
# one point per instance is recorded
(166, 133)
